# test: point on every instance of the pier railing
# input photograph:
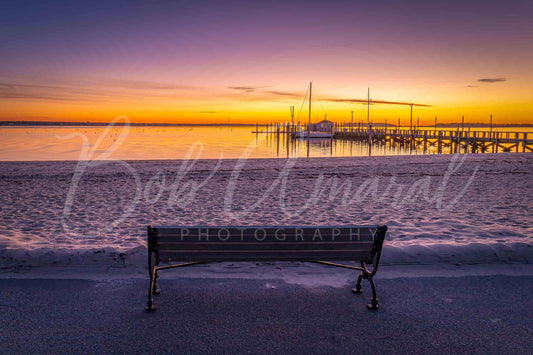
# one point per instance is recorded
(459, 139)
(467, 140)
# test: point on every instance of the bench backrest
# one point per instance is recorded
(205, 243)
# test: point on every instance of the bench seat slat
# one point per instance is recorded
(267, 233)
(174, 229)
(267, 259)
(267, 239)
(260, 255)
(363, 246)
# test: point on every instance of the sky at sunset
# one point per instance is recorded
(248, 61)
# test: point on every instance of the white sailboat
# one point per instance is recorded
(310, 134)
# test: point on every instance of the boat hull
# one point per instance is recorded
(312, 134)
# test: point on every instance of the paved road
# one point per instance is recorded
(481, 315)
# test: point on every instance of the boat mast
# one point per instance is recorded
(292, 114)
(368, 109)
(310, 93)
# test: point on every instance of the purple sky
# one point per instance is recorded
(186, 55)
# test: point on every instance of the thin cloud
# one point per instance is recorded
(33, 96)
(208, 111)
(120, 90)
(140, 84)
(284, 94)
(5, 86)
(51, 92)
(492, 80)
(93, 90)
(376, 102)
(243, 88)
(472, 86)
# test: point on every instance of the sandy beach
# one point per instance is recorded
(438, 210)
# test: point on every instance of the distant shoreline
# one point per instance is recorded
(100, 124)
(97, 124)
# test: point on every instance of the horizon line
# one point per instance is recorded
(102, 123)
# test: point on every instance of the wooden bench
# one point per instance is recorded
(199, 244)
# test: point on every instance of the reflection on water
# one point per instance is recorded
(150, 143)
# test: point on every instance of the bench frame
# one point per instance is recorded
(365, 272)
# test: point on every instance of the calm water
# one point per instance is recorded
(149, 143)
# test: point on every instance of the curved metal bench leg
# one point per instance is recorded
(374, 300)
(357, 288)
(156, 290)
(150, 304)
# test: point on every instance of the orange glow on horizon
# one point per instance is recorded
(251, 110)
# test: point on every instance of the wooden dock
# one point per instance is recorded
(458, 140)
